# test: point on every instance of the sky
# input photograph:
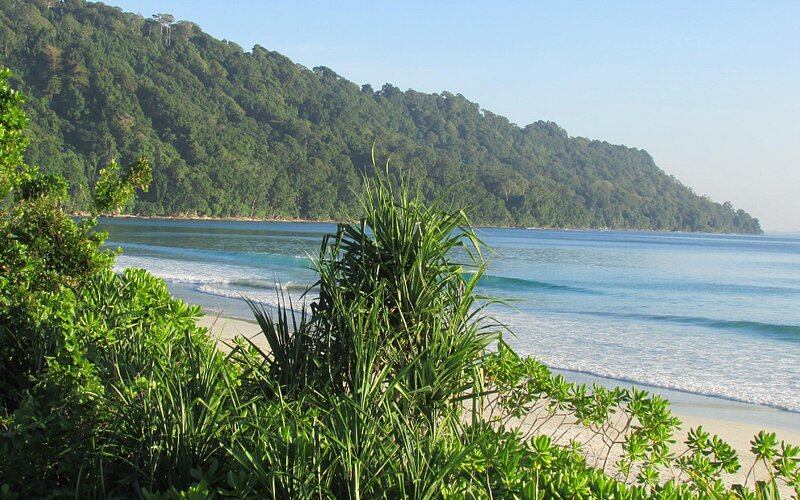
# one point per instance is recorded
(710, 89)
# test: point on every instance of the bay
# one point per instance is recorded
(717, 315)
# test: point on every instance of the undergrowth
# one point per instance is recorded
(393, 382)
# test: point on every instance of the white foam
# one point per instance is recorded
(266, 297)
(181, 271)
(222, 280)
(195, 272)
(686, 359)
(692, 359)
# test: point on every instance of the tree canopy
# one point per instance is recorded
(236, 133)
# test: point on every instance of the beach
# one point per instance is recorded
(733, 421)
(718, 335)
(228, 272)
(224, 330)
(723, 323)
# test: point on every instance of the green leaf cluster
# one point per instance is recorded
(12, 141)
(116, 186)
(83, 351)
(384, 386)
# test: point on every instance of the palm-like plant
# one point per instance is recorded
(391, 349)
(427, 326)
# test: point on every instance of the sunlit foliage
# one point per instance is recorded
(392, 383)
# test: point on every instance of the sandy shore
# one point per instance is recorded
(736, 423)
(564, 429)
(244, 218)
(191, 217)
(224, 330)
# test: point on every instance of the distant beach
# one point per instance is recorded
(300, 220)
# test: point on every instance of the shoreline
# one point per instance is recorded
(689, 404)
(735, 423)
(773, 416)
(238, 218)
(210, 218)
(692, 408)
(676, 392)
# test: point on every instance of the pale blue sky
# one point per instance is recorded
(710, 89)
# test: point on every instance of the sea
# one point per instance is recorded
(713, 315)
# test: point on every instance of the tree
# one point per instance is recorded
(165, 26)
(228, 117)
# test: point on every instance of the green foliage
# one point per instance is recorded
(254, 134)
(106, 383)
(116, 186)
(377, 376)
(637, 431)
(398, 258)
(385, 388)
(38, 185)
(12, 140)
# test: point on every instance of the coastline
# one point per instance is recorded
(734, 418)
(686, 403)
(237, 218)
(693, 409)
(734, 422)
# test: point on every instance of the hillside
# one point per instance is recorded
(254, 134)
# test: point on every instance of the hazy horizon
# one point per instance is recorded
(708, 90)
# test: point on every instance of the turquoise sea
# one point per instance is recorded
(717, 315)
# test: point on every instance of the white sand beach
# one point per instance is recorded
(736, 423)
(224, 330)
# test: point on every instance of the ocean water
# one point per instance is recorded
(717, 315)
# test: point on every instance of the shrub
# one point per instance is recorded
(385, 386)
(106, 383)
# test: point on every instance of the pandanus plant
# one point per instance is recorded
(391, 283)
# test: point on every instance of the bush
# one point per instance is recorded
(107, 385)
(387, 385)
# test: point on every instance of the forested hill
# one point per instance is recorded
(254, 134)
